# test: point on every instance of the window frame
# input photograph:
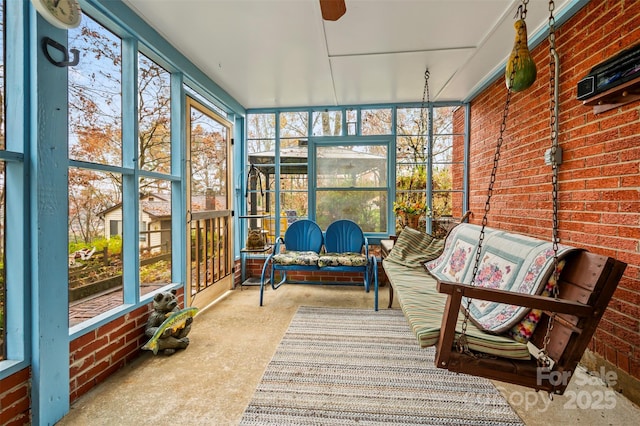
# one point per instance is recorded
(324, 141)
(17, 276)
(353, 131)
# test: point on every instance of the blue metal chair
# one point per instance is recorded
(302, 241)
(347, 250)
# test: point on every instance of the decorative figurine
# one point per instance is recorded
(168, 326)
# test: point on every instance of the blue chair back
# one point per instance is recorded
(344, 236)
(303, 235)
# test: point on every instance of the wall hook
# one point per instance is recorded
(46, 42)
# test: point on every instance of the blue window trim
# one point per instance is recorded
(24, 27)
(17, 236)
(387, 141)
(136, 37)
(374, 238)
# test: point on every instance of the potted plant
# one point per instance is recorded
(409, 212)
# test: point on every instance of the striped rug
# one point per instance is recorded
(351, 366)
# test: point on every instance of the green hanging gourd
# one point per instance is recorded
(520, 61)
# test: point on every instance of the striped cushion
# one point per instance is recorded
(413, 248)
(423, 307)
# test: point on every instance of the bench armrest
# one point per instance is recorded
(546, 303)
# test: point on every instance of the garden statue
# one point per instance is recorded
(168, 326)
(255, 239)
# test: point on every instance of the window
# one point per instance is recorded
(143, 229)
(351, 183)
(412, 160)
(376, 121)
(327, 123)
(95, 187)
(154, 158)
(294, 166)
(101, 186)
(2, 259)
(354, 150)
(13, 215)
(260, 166)
(115, 228)
(154, 132)
(155, 234)
(447, 168)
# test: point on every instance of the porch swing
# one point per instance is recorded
(570, 314)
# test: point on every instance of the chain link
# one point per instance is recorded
(544, 360)
(522, 10)
(461, 343)
(425, 97)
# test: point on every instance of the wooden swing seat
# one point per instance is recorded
(432, 307)
(586, 286)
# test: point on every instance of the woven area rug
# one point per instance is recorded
(353, 366)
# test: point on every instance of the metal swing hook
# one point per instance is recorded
(46, 42)
(522, 10)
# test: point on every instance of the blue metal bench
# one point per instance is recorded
(343, 248)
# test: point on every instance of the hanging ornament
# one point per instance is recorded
(520, 63)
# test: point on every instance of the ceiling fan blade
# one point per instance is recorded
(332, 10)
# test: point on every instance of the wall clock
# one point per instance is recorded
(63, 14)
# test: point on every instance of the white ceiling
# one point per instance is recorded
(280, 53)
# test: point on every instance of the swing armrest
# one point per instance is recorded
(546, 303)
(455, 292)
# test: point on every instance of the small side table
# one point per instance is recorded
(385, 248)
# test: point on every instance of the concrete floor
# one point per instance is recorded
(212, 381)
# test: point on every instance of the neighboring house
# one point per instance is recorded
(155, 222)
(155, 219)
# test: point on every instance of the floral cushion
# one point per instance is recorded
(523, 331)
(301, 258)
(508, 261)
(459, 253)
(342, 259)
(513, 263)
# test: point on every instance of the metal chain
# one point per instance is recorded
(522, 10)
(425, 96)
(543, 358)
(425, 100)
(462, 344)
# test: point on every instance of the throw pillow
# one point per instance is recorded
(523, 331)
(413, 248)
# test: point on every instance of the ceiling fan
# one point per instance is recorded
(332, 10)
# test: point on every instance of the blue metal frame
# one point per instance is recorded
(345, 236)
(304, 235)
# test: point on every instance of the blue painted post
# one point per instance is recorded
(130, 181)
(48, 168)
(179, 235)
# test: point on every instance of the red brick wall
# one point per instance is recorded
(14, 398)
(254, 269)
(101, 352)
(600, 174)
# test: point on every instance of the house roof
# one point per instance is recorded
(158, 206)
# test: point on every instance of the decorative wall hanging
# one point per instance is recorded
(520, 72)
